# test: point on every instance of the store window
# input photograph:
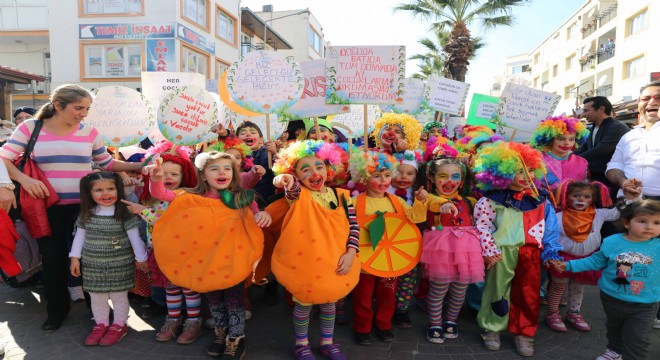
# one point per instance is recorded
(112, 7)
(193, 61)
(112, 60)
(225, 27)
(315, 41)
(196, 11)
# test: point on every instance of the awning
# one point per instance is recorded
(252, 21)
(18, 76)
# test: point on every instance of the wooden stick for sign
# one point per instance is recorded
(366, 128)
(350, 146)
(173, 149)
(317, 129)
(270, 156)
(513, 134)
(117, 153)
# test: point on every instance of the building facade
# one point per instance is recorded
(516, 70)
(301, 28)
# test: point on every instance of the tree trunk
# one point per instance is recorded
(459, 49)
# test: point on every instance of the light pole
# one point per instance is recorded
(281, 17)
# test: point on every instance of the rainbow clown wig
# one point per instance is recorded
(412, 129)
(497, 164)
(552, 127)
(238, 145)
(288, 157)
(439, 147)
(364, 164)
(474, 136)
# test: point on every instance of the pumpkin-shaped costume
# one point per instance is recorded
(277, 211)
(203, 245)
(307, 253)
(400, 247)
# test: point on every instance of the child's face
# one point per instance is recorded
(219, 173)
(250, 136)
(562, 145)
(312, 172)
(580, 199)
(379, 182)
(172, 174)
(390, 135)
(643, 227)
(435, 131)
(104, 192)
(235, 154)
(448, 179)
(326, 135)
(520, 181)
(405, 176)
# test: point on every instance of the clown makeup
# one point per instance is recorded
(104, 192)
(448, 179)
(172, 175)
(326, 135)
(250, 136)
(580, 199)
(389, 135)
(405, 176)
(520, 181)
(562, 145)
(236, 155)
(312, 173)
(218, 174)
(378, 183)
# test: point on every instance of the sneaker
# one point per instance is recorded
(385, 335)
(450, 329)
(524, 345)
(401, 319)
(192, 329)
(235, 348)
(76, 293)
(95, 336)
(303, 352)
(363, 339)
(577, 321)
(555, 323)
(332, 352)
(217, 348)
(341, 317)
(491, 340)
(435, 335)
(114, 335)
(656, 324)
(610, 355)
(170, 329)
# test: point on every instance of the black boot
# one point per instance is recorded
(235, 348)
(217, 348)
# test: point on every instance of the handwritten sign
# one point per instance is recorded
(365, 74)
(122, 115)
(186, 116)
(482, 108)
(523, 108)
(412, 100)
(234, 120)
(426, 116)
(312, 101)
(265, 82)
(354, 119)
(447, 95)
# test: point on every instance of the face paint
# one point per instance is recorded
(448, 179)
(405, 176)
(580, 199)
(312, 173)
(378, 183)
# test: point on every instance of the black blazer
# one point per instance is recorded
(600, 153)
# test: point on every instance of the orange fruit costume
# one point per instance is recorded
(306, 255)
(277, 210)
(400, 247)
(203, 245)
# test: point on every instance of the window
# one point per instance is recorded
(571, 31)
(23, 15)
(112, 60)
(196, 11)
(193, 61)
(555, 70)
(536, 58)
(220, 67)
(636, 22)
(315, 41)
(570, 62)
(112, 7)
(536, 82)
(568, 91)
(633, 67)
(225, 27)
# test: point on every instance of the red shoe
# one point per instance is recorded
(554, 322)
(114, 335)
(95, 336)
(578, 322)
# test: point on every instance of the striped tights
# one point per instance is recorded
(174, 301)
(556, 289)
(455, 296)
(301, 322)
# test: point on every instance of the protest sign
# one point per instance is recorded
(186, 116)
(482, 109)
(354, 119)
(312, 101)
(365, 74)
(412, 99)
(447, 95)
(521, 109)
(227, 100)
(122, 115)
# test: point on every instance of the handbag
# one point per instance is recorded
(21, 160)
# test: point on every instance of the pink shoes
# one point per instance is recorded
(114, 335)
(95, 336)
(555, 323)
(578, 322)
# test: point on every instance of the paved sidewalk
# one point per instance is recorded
(270, 336)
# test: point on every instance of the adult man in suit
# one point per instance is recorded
(603, 137)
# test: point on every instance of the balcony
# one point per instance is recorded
(604, 90)
(606, 54)
(588, 61)
(589, 29)
(607, 14)
(248, 47)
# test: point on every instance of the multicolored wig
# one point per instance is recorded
(599, 193)
(439, 147)
(164, 146)
(497, 164)
(236, 144)
(341, 172)
(552, 127)
(364, 164)
(443, 129)
(288, 157)
(472, 137)
(409, 157)
(412, 129)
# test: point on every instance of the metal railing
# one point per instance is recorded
(606, 54)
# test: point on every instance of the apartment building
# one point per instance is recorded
(516, 70)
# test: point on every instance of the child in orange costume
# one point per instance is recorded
(314, 256)
(375, 169)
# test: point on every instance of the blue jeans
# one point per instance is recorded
(629, 326)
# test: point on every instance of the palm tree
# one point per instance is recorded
(433, 61)
(457, 15)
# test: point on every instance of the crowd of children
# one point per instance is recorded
(420, 212)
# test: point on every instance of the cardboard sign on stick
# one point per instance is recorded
(312, 101)
(522, 108)
(186, 116)
(482, 109)
(413, 100)
(447, 95)
(354, 120)
(122, 115)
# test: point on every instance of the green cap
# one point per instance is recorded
(309, 124)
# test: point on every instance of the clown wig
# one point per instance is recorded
(439, 147)
(188, 174)
(432, 124)
(472, 137)
(497, 164)
(364, 164)
(600, 195)
(238, 145)
(164, 146)
(412, 129)
(288, 157)
(552, 127)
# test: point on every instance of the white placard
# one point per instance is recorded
(412, 100)
(523, 108)
(312, 101)
(447, 95)
(186, 116)
(354, 119)
(486, 110)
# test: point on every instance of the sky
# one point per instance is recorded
(373, 22)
